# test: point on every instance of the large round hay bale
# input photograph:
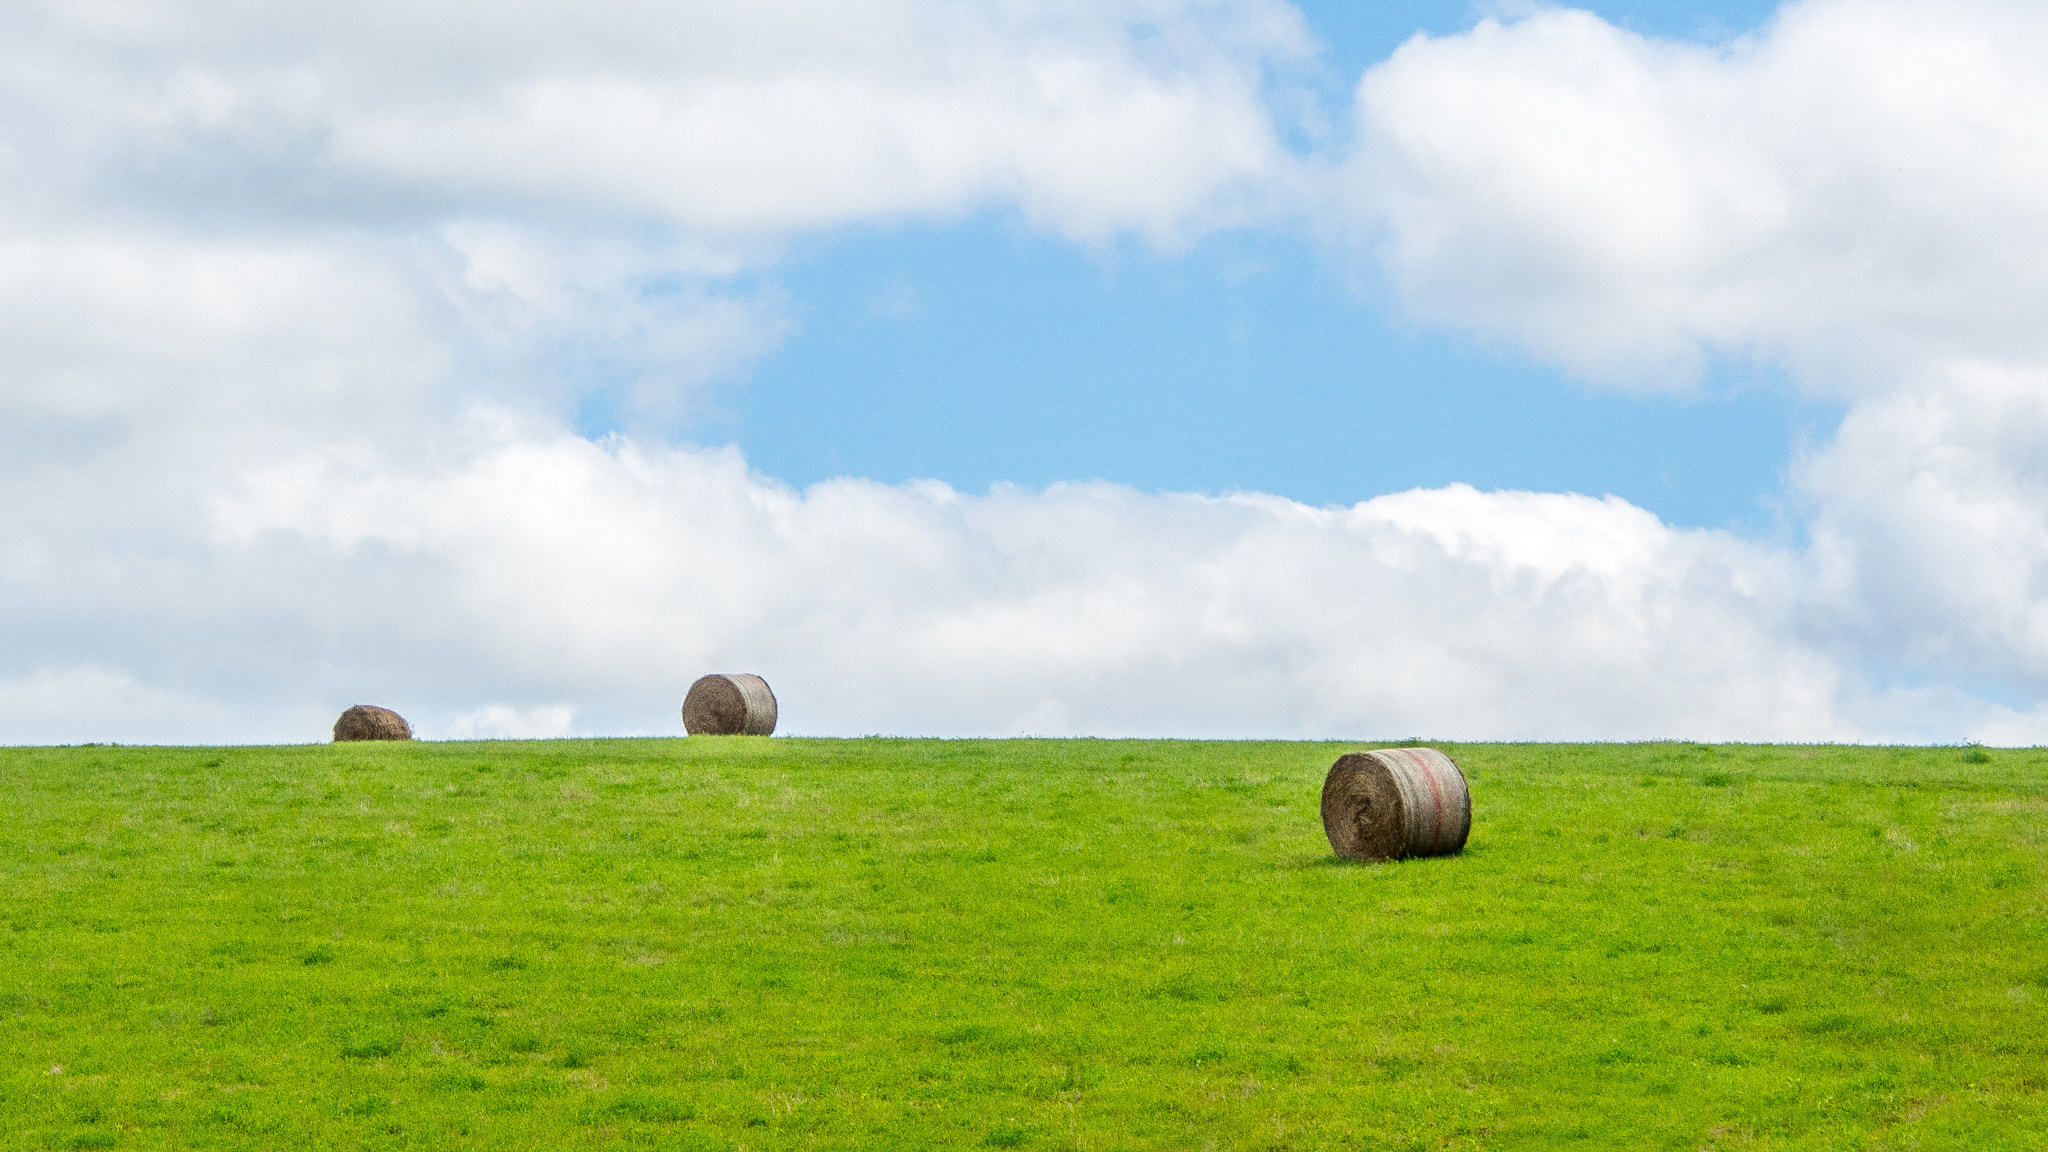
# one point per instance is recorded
(1395, 803)
(729, 704)
(369, 722)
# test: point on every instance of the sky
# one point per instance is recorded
(1004, 367)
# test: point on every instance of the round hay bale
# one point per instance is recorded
(1396, 803)
(369, 722)
(729, 704)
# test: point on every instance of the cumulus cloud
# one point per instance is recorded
(504, 722)
(1932, 526)
(614, 574)
(619, 573)
(419, 207)
(300, 304)
(89, 703)
(1854, 191)
(750, 117)
(262, 241)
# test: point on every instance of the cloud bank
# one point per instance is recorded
(300, 303)
(1853, 191)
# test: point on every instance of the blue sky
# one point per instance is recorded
(987, 367)
(980, 353)
(983, 351)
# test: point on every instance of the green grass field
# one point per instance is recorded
(758, 944)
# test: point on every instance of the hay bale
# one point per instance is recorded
(369, 722)
(1396, 803)
(734, 704)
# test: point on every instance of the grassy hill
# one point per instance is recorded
(759, 944)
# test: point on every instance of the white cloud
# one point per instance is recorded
(731, 117)
(298, 301)
(301, 241)
(1853, 190)
(89, 703)
(1085, 608)
(1933, 520)
(265, 222)
(504, 722)
(546, 570)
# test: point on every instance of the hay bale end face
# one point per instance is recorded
(729, 704)
(369, 722)
(1396, 803)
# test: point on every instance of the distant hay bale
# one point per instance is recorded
(1395, 803)
(734, 704)
(369, 722)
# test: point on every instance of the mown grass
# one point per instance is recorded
(750, 943)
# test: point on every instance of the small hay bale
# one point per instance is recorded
(369, 722)
(1396, 803)
(729, 704)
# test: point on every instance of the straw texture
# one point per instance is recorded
(1396, 803)
(729, 704)
(369, 722)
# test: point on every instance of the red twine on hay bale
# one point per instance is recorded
(1396, 803)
